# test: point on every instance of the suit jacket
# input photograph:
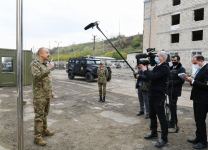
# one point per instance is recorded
(159, 78)
(199, 93)
(175, 82)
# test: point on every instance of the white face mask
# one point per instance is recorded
(170, 64)
(157, 60)
(195, 68)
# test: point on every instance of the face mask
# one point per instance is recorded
(175, 63)
(157, 60)
(195, 68)
(170, 64)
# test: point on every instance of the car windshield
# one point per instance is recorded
(93, 62)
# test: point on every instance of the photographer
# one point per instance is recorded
(143, 90)
(174, 89)
(158, 88)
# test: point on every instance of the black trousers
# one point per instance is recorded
(200, 114)
(157, 109)
(173, 109)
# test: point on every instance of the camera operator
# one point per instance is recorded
(158, 88)
(142, 86)
(174, 88)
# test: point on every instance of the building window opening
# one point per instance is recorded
(196, 53)
(176, 19)
(197, 35)
(199, 14)
(175, 38)
(176, 2)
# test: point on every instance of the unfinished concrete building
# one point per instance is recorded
(177, 26)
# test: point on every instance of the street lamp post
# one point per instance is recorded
(58, 43)
(19, 47)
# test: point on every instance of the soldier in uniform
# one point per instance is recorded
(102, 81)
(42, 94)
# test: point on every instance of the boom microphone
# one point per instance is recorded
(91, 25)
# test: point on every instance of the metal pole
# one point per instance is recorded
(58, 55)
(114, 48)
(19, 47)
(94, 42)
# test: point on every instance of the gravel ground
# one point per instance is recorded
(82, 123)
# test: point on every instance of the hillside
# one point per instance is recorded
(102, 48)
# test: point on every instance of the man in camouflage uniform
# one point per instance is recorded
(42, 93)
(102, 81)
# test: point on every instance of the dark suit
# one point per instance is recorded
(158, 88)
(199, 95)
(174, 90)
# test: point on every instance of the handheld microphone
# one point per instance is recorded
(91, 25)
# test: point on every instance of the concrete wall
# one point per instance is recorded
(161, 28)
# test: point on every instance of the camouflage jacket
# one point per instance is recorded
(42, 86)
(102, 73)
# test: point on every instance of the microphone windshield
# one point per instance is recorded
(91, 25)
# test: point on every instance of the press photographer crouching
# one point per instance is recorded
(174, 89)
(158, 89)
(143, 85)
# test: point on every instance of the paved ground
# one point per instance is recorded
(82, 123)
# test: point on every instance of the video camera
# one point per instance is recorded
(147, 58)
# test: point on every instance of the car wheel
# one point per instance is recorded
(89, 77)
(70, 76)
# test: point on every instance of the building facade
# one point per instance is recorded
(177, 26)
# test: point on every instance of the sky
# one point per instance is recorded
(47, 23)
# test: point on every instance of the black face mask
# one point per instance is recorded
(175, 63)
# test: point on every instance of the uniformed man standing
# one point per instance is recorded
(102, 81)
(42, 93)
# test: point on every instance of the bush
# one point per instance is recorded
(136, 42)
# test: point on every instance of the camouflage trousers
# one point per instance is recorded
(41, 109)
(102, 89)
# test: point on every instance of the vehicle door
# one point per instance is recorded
(83, 67)
(77, 66)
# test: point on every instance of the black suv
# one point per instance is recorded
(85, 67)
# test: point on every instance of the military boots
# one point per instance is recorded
(39, 141)
(100, 100)
(103, 99)
(48, 133)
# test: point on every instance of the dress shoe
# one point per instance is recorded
(140, 113)
(200, 146)
(161, 143)
(193, 141)
(150, 136)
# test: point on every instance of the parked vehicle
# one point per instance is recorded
(85, 67)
